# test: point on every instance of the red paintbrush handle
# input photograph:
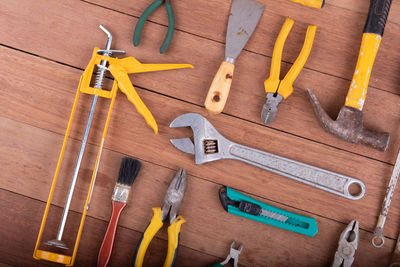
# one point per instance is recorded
(108, 241)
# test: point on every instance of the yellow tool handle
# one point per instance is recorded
(271, 84)
(174, 231)
(286, 86)
(359, 84)
(311, 3)
(155, 225)
(132, 65)
(219, 89)
(125, 85)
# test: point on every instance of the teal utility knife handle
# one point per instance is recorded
(235, 203)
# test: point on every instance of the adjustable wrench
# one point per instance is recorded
(210, 145)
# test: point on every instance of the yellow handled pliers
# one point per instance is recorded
(172, 203)
(277, 89)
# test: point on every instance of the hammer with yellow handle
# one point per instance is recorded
(349, 123)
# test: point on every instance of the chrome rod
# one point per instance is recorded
(98, 84)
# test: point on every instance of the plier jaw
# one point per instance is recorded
(270, 108)
(173, 198)
(233, 255)
(347, 246)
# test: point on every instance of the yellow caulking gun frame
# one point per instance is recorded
(119, 68)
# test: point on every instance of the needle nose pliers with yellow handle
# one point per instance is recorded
(171, 24)
(277, 89)
(172, 203)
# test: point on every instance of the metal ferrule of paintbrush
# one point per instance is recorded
(121, 192)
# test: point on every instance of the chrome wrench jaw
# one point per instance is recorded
(209, 145)
(183, 144)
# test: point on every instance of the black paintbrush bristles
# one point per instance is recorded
(128, 171)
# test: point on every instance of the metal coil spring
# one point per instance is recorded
(99, 77)
(101, 69)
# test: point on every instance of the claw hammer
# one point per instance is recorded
(349, 123)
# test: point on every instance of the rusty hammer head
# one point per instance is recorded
(349, 125)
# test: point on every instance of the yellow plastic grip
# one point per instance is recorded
(125, 85)
(271, 84)
(310, 3)
(359, 84)
(132, 65)
(155, 225)
(173, 241)
(220, 87)
(286, 86)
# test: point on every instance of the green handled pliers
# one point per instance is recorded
(171, 24)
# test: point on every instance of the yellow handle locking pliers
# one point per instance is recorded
(172, 203)
(277, 89)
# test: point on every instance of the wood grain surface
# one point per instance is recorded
(44, 47)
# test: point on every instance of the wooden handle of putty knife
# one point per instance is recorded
(219, 89)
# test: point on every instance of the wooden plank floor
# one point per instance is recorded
(44, 47)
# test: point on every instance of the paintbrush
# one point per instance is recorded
(127, 173)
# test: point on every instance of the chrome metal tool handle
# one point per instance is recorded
(378, 239)
(326, 180)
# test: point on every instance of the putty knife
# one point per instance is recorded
(243, 19)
